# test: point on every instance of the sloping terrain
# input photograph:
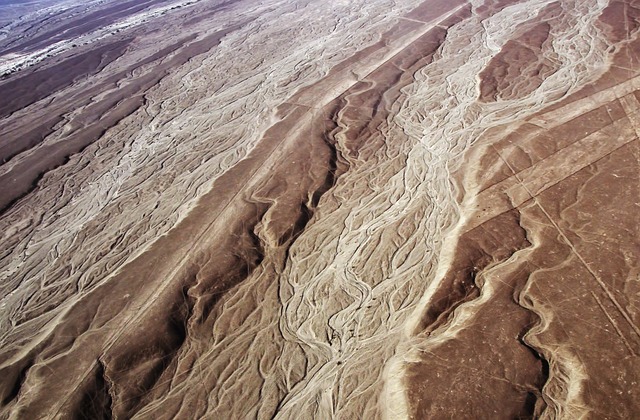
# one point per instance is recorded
(343, 209)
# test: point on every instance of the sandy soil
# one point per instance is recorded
(388, 209)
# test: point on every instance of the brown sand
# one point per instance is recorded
(308, 210)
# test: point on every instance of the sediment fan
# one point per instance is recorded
(305, 209)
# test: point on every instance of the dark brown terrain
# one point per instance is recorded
(396, 209)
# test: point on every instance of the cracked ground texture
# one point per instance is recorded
(312, 210)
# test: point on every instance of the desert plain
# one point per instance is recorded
(303, 209)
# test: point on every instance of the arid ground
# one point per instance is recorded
(305, 209)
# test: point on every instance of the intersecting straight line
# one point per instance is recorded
(613, 323)
(574, 250)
